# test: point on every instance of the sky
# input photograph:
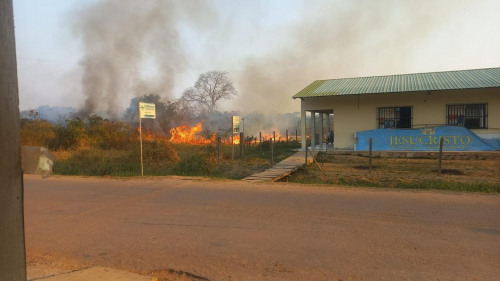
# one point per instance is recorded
(271, 49)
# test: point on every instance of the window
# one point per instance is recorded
(394, 117)
(471, 116)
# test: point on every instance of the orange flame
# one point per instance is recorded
(187, 134)
(279, 137)
(146, 134)
(236, 139)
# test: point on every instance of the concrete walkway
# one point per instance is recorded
(283, 168)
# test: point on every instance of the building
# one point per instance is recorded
(467, 98)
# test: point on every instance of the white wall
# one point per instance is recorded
(356, 113)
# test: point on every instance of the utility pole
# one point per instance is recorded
(12, 247)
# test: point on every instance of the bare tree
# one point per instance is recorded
(209, 89)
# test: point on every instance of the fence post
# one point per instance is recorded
(305, 168)
(272, 151)
(296, 135)
(218, 150)
(440, 155)
(370, 156)
(241, 144)
(274, 136)
(287, 136)
(260, 141)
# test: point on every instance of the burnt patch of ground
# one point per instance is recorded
(451, 172)
(363, 167)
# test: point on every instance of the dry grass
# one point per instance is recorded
(471, 175)
(195, 160)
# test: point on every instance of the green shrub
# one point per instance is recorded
(107, 134)
(194, 165)
(97, 162)
(71, 136)
(155, 151)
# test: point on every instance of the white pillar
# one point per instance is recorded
(303, 135)
(321, 135)
(313, 130)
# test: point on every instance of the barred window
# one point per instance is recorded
(471, 116)
(395, 117)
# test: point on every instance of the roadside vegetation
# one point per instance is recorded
(352, 170)
(101, 147)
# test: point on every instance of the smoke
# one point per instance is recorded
(332, 39)
(122, 40)
(53, 114)
(340, 39)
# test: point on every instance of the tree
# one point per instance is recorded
(210, 88)
(37, 132)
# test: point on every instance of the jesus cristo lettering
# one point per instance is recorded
(429, 140)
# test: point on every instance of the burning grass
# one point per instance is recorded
(460, 175)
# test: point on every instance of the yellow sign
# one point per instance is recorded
(236, 125)
(147, 110)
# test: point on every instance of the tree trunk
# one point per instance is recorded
(12, 249)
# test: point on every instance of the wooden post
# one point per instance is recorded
(140, 137)
(218, 150)
(370, 156)
(287, 136)
(260, 140)
(12, 247)
(241, 144)
(296, 135)
(272, 152)
(312, 156)
(274, 136)
(440, 155)
(232, 138)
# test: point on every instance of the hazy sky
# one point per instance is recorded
(271, 49)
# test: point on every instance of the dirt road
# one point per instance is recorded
(246, 231)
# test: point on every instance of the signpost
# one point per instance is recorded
(146, 110)
(235, 130)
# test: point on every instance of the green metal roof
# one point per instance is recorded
(432, 81)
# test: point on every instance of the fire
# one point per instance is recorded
(195, 135)
(187, 134)
(279, 137)
(146, 134)
(236, 139)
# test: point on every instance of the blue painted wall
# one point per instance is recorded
(455, 138)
